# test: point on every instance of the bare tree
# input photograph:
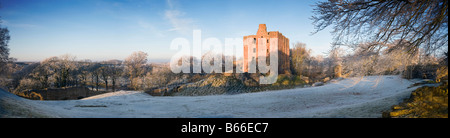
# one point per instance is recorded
(105, 72)
(93, 69)
(65, 65)
(116, 71)
(96, 74)
(4, 51)
(159, 77)
(299, 54)
(42, 73)
(134, 64)
(394, 59)
(422, 23)
(84, 71)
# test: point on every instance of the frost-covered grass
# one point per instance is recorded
(367, 97)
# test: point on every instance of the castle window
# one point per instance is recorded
(254, 40)
(254, 50)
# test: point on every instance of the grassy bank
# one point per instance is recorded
(424, 102)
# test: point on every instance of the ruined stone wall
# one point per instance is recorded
(283, 54)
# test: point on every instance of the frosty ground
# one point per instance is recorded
(354, 97)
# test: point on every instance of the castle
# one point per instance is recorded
(283, 48)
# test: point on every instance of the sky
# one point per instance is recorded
(114, 29)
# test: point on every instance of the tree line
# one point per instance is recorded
(395, 59)
(65, 71)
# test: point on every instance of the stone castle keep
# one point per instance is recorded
(283, 48)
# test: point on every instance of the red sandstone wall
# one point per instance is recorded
(283, 48)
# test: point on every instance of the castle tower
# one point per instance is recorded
(262, 30)
(283, 48)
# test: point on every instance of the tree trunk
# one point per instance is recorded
(113, 84)
(96, 83)
(131, 82)
(338, 71)
(84, 80)
(46, 81)
(92, 81)
(106, 84)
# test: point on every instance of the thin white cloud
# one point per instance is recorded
(180, 23)
(18, 25)
(150, 27)
(170, 3)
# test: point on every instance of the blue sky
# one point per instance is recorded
(113, 29)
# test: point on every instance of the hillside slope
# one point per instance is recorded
(368, 97)
(13, 106)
